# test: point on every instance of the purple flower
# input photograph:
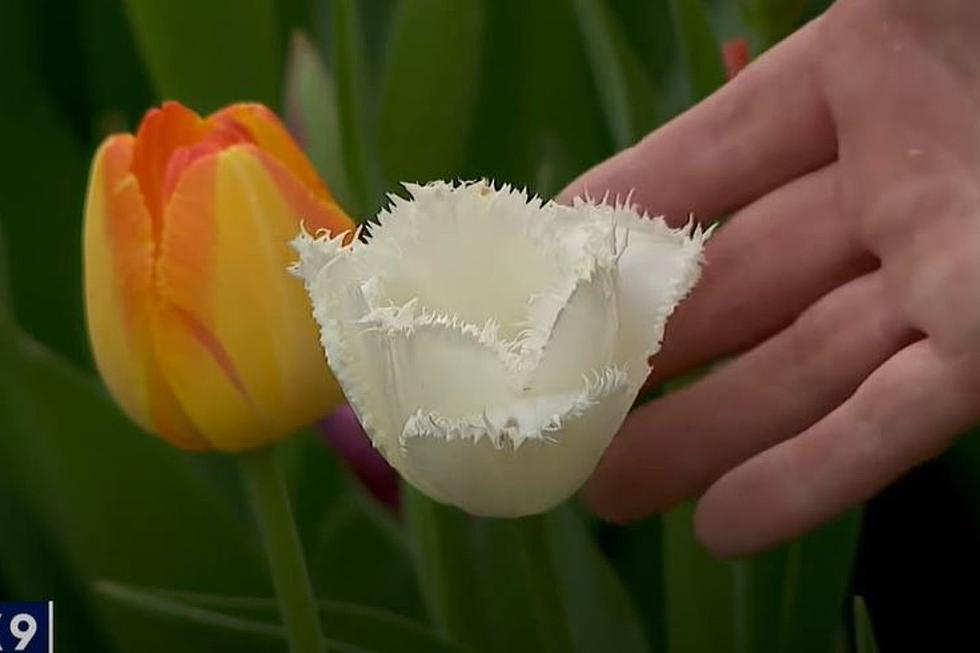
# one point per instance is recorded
(343, 433)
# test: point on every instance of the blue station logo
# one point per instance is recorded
(27, 627)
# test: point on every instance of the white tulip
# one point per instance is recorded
(491, 345)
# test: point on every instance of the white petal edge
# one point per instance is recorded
(655, 267)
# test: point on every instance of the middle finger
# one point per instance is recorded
(672, 448)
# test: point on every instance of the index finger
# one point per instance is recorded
(767, 126)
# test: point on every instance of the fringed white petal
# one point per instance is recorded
(503, 480)
(491, 343)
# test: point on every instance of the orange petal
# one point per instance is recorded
(119, 252)
(236, 336)
(162, 132)
(218, 138)
(271, 135)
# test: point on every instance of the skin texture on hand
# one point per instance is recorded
(847, 280)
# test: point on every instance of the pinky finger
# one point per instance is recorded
(906, 412)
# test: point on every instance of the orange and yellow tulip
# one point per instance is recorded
(200, 332)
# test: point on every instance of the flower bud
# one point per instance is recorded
(199, 332)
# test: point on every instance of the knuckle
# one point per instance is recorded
(941, 299)
(927, 235)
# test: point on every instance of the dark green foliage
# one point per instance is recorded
(149, 549)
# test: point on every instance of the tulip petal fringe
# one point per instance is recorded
(474, 314)
(530, 419)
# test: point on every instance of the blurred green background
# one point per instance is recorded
(148, 549)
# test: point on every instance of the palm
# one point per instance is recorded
(848, 277)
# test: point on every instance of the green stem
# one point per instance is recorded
(270, 503)
(555, 629)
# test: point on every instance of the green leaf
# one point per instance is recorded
(699, 47)
(42, 177)
(355, 549)
(544, 585)
(208, 54)
(964, 471)
(699, 594)
(757, 587)
(196, 628)
(357, 555)
(120, 504)
(254, 622)
(648, 29)
(296, 16)
(359, 150)
(628, 98)
(32, 566)
(790, 599)
(600, 611)
(538, 122)
(637, 554)
(864, 635)
(311, 111)
(429, 88)
(816, 581)
(476, 579)
(447, 564)
(772, 19)
(5, 296)
(118, 90)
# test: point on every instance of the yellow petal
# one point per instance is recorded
(235, 334)
(118, 245)
(271, 136)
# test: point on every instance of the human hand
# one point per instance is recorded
(848, 277)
